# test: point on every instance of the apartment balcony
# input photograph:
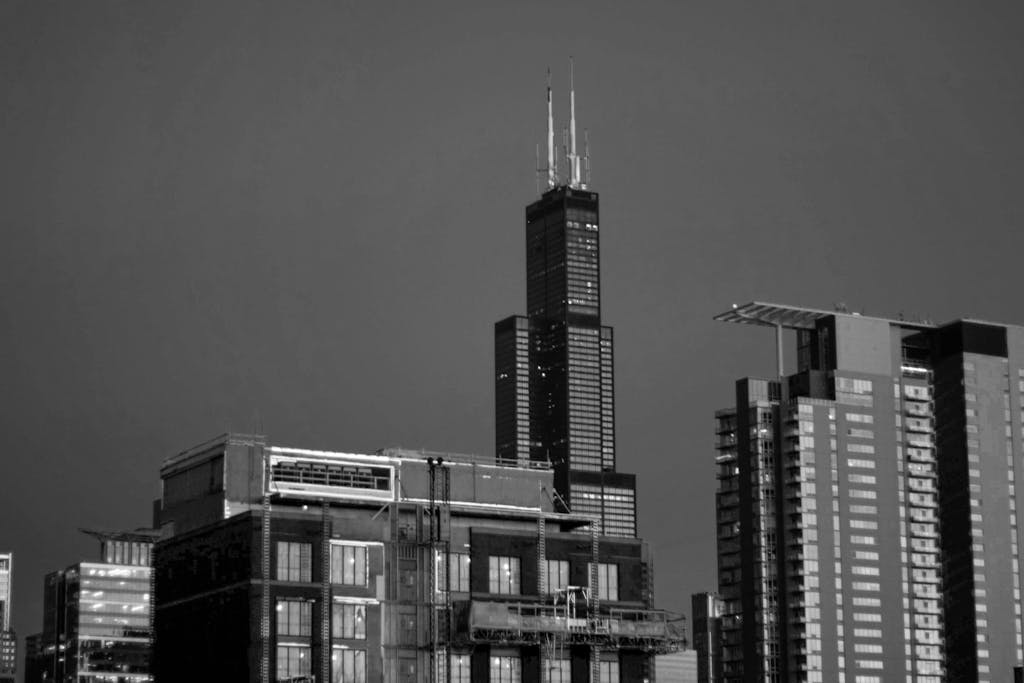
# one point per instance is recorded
(925, 591)
(918, 425)
(927, 609)
(922, 485)
(930, 532)
(917, 409)
(729, 485)
(528, 623)
(920, 454)
(725, 441)
(917, 547)
(728, 500)
(918, 516)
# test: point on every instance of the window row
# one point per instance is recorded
(295, 662)
(348, 563)
(295, 618)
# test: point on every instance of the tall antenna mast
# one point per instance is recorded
(552, 172)
(586, 158)
(536, 175)
(574, 160)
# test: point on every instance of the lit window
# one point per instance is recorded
(348, 621)
(460, 669)
(348, 666)
(458, 572)
(294, 618)
(294, 561)
(348, 564)
(503, 575)
(506, 670)
(293, 661)
(557, 575)
(608, 672)
(607, 580)
(556, 671)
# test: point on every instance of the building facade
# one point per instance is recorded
(8, 641)
(706, 613)
(96, 616)
(554, 376)
(678, 667)
(283, 564)
(867, 521)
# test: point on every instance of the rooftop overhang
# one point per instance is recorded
(795, 317)
(773, 315)
(134, 536)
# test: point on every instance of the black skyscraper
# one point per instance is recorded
(554, 384)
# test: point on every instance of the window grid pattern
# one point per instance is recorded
(348, 564)
(506, 669)
(460, 668)
(293, 661)
(557, 575)
(556, 670)
(503, 575)
(458, 572)
(348, 621)
(294, 561)
(348, 666)
(608, 672)
(294, 618)
(607, 580)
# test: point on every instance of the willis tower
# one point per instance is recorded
(554, 378)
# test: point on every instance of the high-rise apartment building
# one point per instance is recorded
(96, 616)
(554, 379)
(705, 616)
(8, 642)
(286, 564)
(868, 529)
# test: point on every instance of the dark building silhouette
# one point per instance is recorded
(96, 616)
(285, 564)
(554, 377)
(868, 528)
(705, 615)
(35, 661)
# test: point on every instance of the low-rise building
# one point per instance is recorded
(8, 641)
(284, 564)
(96, 616)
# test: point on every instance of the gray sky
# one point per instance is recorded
(308, 215)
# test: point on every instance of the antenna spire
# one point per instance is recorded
(586, 158)
(536, 175)
(552, 173)
(574, 160)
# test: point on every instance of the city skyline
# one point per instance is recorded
(220, 224)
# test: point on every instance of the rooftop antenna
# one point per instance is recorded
(574, 160)
(586, 158)
(565, 152)
(552, 170)
(536, 175)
